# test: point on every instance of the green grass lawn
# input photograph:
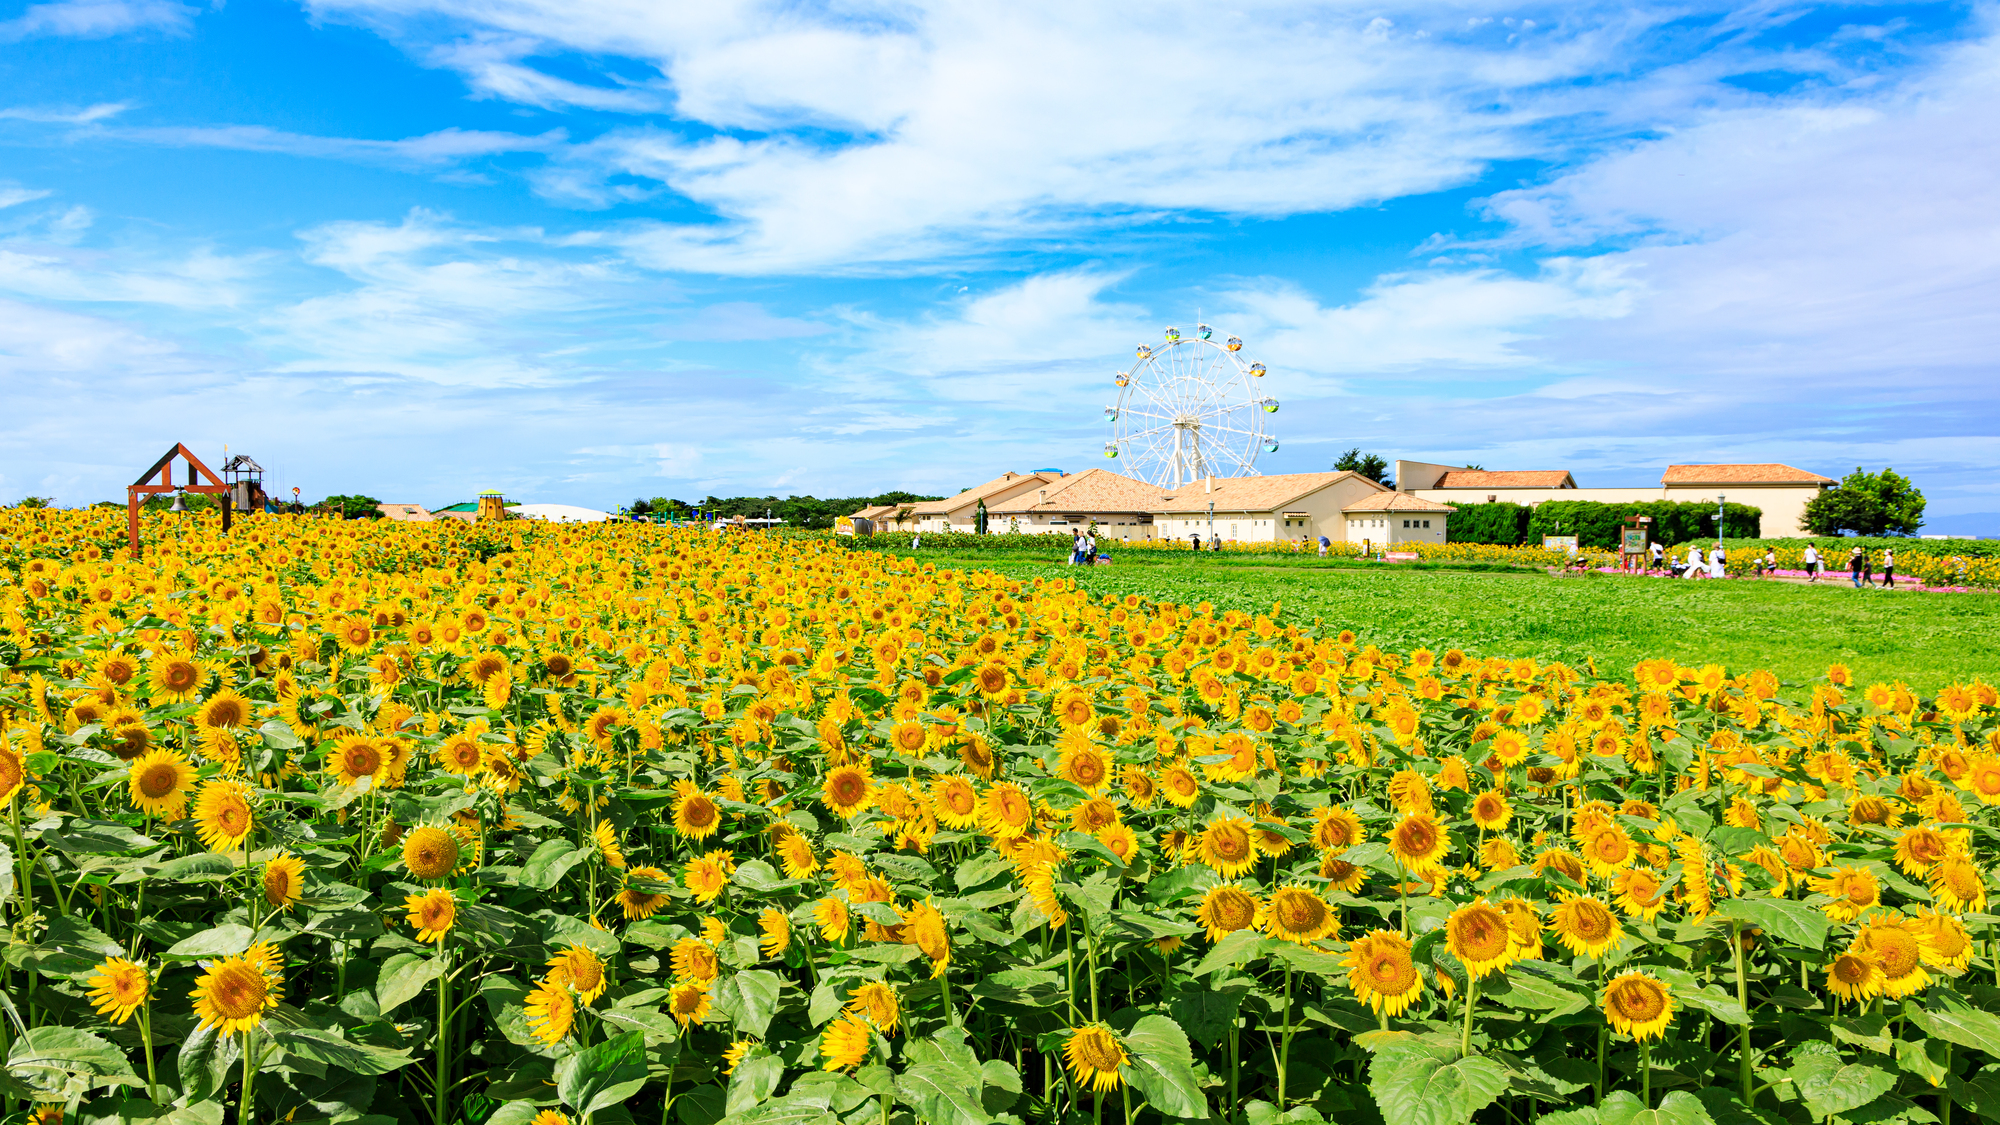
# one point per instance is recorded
(1926, 640)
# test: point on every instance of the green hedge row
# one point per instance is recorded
(1594, 523)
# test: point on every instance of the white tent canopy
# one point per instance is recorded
(559, 513)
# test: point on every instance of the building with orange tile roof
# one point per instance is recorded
(1396, 517)
(1780, 491)
(1120, 507)
(957, 513)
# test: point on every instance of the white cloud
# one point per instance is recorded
(96, 19)
(445, 146)
(860, 136)
(439, 301)
(12, 195)
(62, 116)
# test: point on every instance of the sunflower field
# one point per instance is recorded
(373, 823)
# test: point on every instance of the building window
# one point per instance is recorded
(1427, 523)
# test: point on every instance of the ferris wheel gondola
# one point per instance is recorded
(1188, 408)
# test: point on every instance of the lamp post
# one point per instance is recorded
(1211, 521)
(1721, 510)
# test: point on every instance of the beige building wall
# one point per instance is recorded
(1305, 518)
(1538, 495)
(1396, 527)
(1784, 505)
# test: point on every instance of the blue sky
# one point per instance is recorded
(590, 251)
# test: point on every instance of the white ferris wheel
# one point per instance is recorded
(1189, 408)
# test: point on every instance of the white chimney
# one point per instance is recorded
(1209, 486)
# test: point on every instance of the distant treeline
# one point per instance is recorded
(797, 511)
(1595, 524)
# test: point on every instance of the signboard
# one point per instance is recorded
(1559, 543)
(1634, 541)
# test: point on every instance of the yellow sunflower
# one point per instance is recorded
(877, 1001)
(1296, 914)
(430, 852)
(1418, 842)
(689, 1002)
(160, 783)
(551, 1010)
(1095, 1055)
(1853, 889)
(1491, 811)
(1638, 892)
(1584, 925)
(1638, 1005)
(233, 994)
(846, 1043)
(176, 678)
(697, 816)
(1226, 846)
(847, 790)
(1478, 935)
(1855, 975)
(1898, 945)
(579, 968)
(284, 878)
(777, 930)
(223, 816)
(639, 904)
(118, 987)
(432, 914)
(830, 914)
(1381, 972)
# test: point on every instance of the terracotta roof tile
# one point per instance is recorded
(1251, 494)
(1532, 478)
(1741, 474)
(1093, 490)
(1000, 484)
(1397, 502)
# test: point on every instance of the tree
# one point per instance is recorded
(1883, 503)
(642, 506)
(1370, 465)
(37, 501)
(355, 507)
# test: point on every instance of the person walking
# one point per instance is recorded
(1089, 548)
(1812, 563)
(1659, 552)
(1695, 565)
(1856, 559)
(1888, 568)
(1770, 560)
(1075, 547)
(1718, 562)
(1325, 545)
(1196, 536)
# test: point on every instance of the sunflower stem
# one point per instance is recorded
(246, 1105)
(1234, 1069)
(1744, 1066)
(1471, 994)
(1285, 1039)
(442, 1069)
(1646, 1073)
(146, 1036)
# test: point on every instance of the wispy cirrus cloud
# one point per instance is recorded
(96, 19)
(440, 148)
(63, 115)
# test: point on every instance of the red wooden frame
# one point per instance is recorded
(164, 469)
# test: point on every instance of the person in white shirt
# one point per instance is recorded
(1695, 566)
(1718, 562)
(1889, 568)
(1659, 552)
(1812, 563)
